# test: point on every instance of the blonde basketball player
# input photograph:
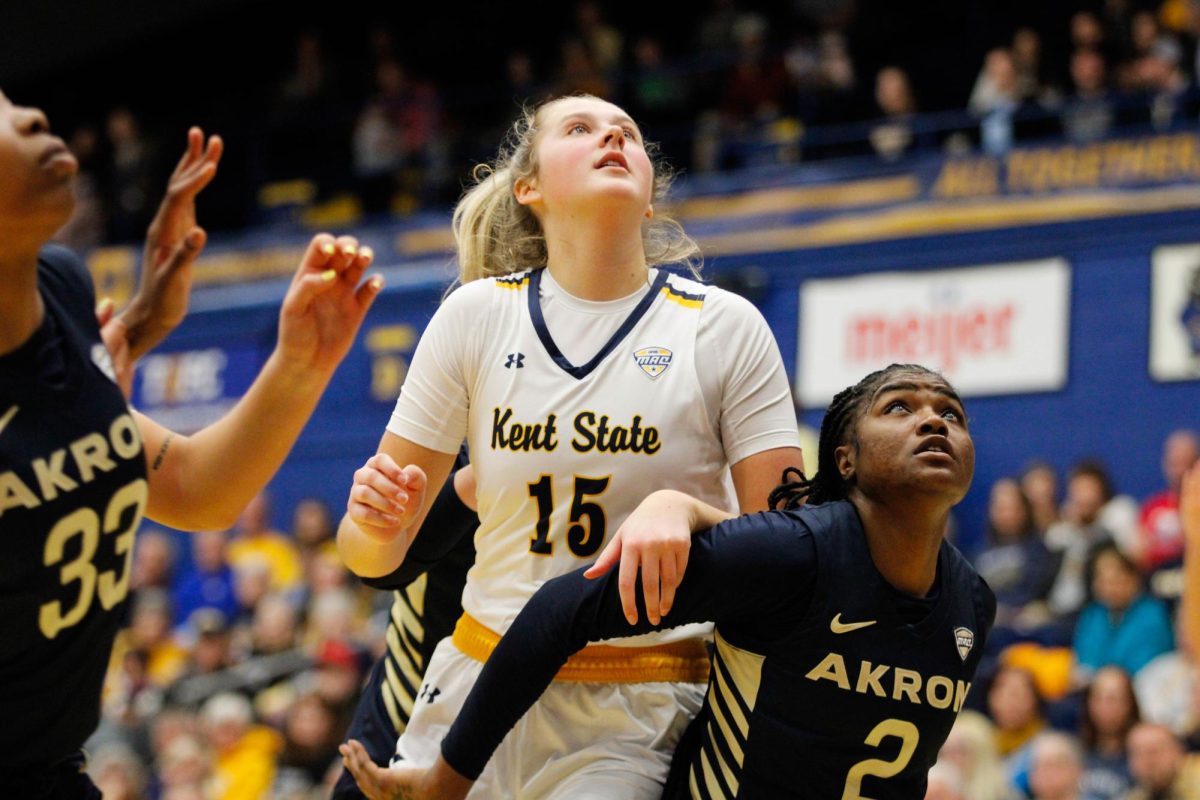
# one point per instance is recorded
(582, 377)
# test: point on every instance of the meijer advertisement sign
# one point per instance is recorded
(996, 329)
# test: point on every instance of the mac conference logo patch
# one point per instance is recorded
(964, 639)
(653, 360)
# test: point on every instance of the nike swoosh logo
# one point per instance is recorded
(837, 626)
(7, 418)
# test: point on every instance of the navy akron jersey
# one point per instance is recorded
(72, 492)
(856, 699)
(826, 682)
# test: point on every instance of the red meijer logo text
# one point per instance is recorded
(943, 338)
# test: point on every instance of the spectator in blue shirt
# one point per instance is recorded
(210, 583)
(1122, 625)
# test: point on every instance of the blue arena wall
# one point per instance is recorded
(1110, 407)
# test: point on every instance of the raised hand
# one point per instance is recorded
(325, 304)
(173, 242)
(385, 499)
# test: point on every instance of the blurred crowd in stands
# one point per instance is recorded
(737, 84)
(1091, 690)
(241, 664)
(246, 649)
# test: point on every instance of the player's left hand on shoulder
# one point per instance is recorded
(326, 302)
(655, 539)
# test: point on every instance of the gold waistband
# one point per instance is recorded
(677, 662)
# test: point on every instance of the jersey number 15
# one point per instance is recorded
(584, 540)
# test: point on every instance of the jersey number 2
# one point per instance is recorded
(85, 523)
(908, 735)
(584, 540)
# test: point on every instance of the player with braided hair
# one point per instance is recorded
(847, 630)
(828, 484)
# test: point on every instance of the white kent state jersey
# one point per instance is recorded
(564, 450)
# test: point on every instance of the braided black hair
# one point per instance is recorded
(837, 428)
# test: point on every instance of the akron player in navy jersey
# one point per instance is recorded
(78, 467)
(848, 631)
(427, 601)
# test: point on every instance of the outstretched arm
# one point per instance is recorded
(745, 567)
(206, 479)
(388, 499)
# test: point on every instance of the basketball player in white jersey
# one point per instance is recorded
(582, 377)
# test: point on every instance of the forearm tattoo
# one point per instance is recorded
(162, 451)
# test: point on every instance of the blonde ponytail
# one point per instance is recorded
(495, 234)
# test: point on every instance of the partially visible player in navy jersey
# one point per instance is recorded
(427, 601)
(847, 631)
(79, 467)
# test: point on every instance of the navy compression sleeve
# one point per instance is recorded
(756, 565)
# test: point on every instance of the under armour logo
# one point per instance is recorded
(428, 693)
(515, 360)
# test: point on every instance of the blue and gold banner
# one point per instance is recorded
(798, 206)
